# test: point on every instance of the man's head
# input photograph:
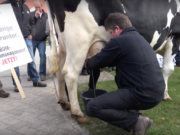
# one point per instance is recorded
(38, 5)
(116, 23)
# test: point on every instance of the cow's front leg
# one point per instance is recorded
(72, 81)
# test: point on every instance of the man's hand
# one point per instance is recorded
(30, 37)
(37, 14)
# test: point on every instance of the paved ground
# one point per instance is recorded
(38, 113)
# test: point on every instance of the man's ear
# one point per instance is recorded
(118, 29)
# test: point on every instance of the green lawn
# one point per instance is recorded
(166, 115)
(47, 41)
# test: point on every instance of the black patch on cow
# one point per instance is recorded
(100, 9)
(175, 32)
(58, 7)
(161, 39)
(147, 16)
(176, 43)
(175, 25)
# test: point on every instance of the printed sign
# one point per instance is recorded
(13, 49)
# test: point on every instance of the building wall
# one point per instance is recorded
(30, 4)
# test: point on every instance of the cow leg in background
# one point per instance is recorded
(168, 66)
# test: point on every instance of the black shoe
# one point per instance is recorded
(16, 89)
(4, 94)
(39, 84)
(142, 125)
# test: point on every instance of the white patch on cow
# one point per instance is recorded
(123, 8)
(155, 38)
(178, 5)
(83, 29)
(169, 18)
(169, 1)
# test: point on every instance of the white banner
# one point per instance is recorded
(13, 49)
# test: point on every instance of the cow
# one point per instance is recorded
(79, 25)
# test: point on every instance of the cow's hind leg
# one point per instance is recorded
(63, 100)
(168, 66)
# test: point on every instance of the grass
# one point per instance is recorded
(47, 41)
(166, 115)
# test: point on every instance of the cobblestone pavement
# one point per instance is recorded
(38, 113)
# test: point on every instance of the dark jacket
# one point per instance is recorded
(23, 16)
(137, 68)
(40, 27)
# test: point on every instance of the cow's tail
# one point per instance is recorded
(53, 57)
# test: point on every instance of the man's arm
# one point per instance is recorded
(107, 57)
(31, 23)
(33, 16)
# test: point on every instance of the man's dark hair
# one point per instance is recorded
(117, 19)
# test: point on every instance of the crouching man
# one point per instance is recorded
(138, 77)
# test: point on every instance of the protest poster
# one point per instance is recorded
(13, 49)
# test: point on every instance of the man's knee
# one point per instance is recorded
(92, 109)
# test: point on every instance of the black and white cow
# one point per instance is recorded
(79, 25)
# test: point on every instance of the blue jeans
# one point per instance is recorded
(177, 57)
(41, 46)
(31, 66)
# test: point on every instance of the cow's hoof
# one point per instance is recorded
(166, 99)
(83, 119)
(73, 116)
(64, 105)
